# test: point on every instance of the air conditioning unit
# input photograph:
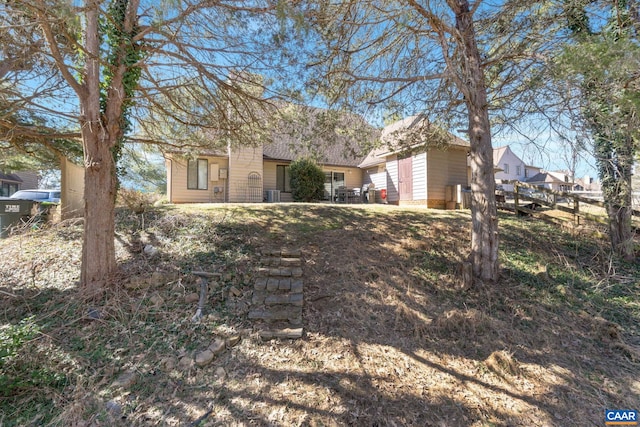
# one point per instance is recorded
(273, 196)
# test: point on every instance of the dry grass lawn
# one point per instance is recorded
(390, 337)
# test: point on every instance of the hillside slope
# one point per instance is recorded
(390, 337)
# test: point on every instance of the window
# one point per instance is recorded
(506, 167)
(283, 180)
(526, 173)
(518, 170)
(7, 189)
(197, 174)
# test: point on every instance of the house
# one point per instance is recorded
(416, 163)
(509, 167)
(556, 181)
(261, 172)
(12, 182)
(588, 184)
(409, 169)
(530, 170)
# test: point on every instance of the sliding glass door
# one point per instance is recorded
(332, 180)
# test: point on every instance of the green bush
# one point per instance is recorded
(307, 180)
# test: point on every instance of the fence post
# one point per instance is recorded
(576, 211)
(516, 197)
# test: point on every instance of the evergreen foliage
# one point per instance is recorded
(307, 180)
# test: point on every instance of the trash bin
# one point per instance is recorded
(11, 212)
(383, 195)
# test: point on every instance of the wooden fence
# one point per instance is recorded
(527, 198)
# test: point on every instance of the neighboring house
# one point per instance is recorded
(556, 181)
(407, 168)
(416, 163)
(530, 171)
(12, 182)
(588, 184)
(509, 167)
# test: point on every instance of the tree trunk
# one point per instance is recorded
(622, 236)
(615, 164)
(484, 218)
(620, 231)
(98, 249)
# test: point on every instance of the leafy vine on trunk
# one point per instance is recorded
(603, 60)
(123, 50)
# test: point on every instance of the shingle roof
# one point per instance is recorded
(543, 177)
(408, 133)
(415, 129)
(10, 177)
(329, 137)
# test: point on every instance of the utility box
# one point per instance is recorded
(273, 196)
(214, 173)
(12, 211)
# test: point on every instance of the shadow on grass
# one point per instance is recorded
(391, 339)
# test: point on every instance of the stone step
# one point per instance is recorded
(293, 299)
(290, 313)
(281, 262)
(290, 333)
(280, 272)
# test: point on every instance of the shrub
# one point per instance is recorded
(307, 180)
(135, 200)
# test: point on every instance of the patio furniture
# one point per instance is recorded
(348, 195)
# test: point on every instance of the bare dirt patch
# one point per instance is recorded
(390, 338)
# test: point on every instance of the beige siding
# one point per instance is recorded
(72, 189)
(167, 166)
(242, 162)
(29, 180)
(376, 175)
(419, 173)
(270, 176)
(177, 190)
(392, 179)
(352, 176)
(444, 168)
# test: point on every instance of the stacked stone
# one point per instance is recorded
(278, 294)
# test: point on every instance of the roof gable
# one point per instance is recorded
(10, 177)
(498, 153)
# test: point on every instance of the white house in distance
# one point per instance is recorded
(509, 167)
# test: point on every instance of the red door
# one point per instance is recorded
(405, 178)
